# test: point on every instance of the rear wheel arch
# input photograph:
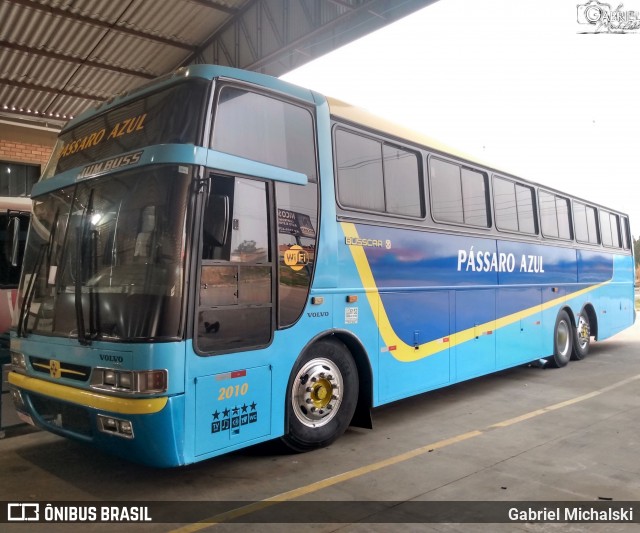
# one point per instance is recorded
(362, 415)
(321, 396)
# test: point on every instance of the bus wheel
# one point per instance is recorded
(562, 341)
(582, 338)
(321, 396)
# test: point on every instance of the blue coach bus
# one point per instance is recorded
(221, 258)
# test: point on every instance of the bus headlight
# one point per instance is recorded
(135, 382)
(18, 362)
(115, 426)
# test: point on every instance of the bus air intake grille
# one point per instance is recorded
(62, 415)
(60, 369)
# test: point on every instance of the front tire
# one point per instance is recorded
(321, 396)
(562, 341)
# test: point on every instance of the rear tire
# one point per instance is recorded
(582, 339)
(562, 341)
(321, 396)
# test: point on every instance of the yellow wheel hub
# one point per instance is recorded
(321, 393)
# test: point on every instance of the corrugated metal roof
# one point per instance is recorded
(59, 57)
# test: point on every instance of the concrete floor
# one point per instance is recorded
(524, 434)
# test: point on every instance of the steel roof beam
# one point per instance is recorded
(100, 24)
(52, 90)
(75, 60)
(217, 6)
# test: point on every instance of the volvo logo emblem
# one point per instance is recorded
(54, 369)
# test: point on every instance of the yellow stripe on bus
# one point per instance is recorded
(408, 353)
(113, 404)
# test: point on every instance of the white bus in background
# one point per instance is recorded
(14, 222)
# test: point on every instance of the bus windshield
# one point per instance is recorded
(105, 258)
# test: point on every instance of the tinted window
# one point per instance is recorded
(265, 129)
(504, 200)
(592, 225)
(446, 191)
(624, 226)
(114, 252)
(297, 234)
(474, 198)
(458, 194)
(514, 206)
(584, 217)
(610, 227)
(170, 116)
(359, 162)
(526, 209)
(548, 216)
(554, 215)
(605, 228)
(403, 193)
(564, 222)
(377, 176)
(615, 230)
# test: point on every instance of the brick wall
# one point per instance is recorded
(25, 145)
(16, 152)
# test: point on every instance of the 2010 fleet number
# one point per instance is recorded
(230, 392)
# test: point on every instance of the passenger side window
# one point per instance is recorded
(377, 176)
(585, 217)
(514, 206)
(458, 194)
(359, 162)
(610, 228)
(624, 226)
(554, 215)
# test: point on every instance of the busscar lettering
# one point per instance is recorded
(484, 261)
(356, 241)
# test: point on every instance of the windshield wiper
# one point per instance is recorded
(45, 250)
(80, 240)
(94, 308)
(29, 292)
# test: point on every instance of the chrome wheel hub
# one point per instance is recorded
(317, 392)
(584, 332)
